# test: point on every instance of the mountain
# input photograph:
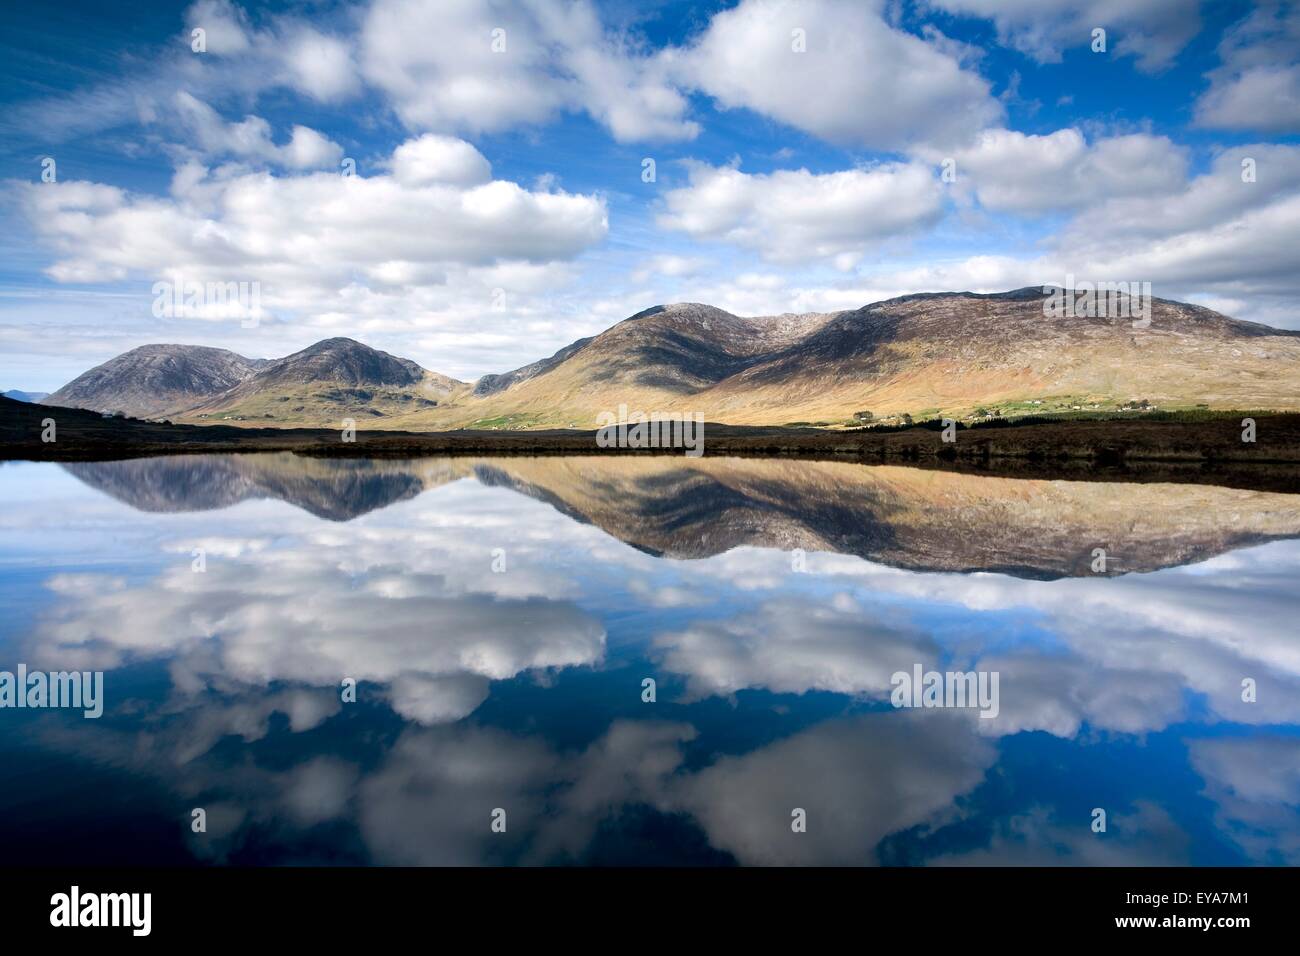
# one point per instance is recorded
(959, 354)
(926, 354)
(20, 396)
(155, 380)
(956, 352)
(652, 361)
(321, 385)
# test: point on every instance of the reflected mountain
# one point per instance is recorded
(333, 490)
(694, 508)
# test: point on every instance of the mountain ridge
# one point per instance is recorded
(153, 380)
(924, 353)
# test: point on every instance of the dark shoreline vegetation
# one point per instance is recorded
(1196, 447)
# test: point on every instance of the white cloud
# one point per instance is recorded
(308, 149)
(671, 266)
(1151, 31)
(495, 65)
(225, 26)
(456, 81)
(1210, 238)
(860, 82)
(1258, 85)
(793, 215)
(1017, 172)
(309, 238)
(250, 139)
(439, 159)
(1216, 231)
(321, 66)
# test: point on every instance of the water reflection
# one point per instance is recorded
(501, 615)
(694, 508)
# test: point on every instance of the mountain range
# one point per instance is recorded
(953, 353)
(18, 395)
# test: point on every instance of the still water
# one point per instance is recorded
(501, 619)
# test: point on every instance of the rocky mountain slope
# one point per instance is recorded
(155, 380)
(921, 355)
(334, 379)
(959, 354)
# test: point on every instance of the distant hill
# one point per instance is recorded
(961, 354)
(333, 379)
(20, 396)
(155, 380)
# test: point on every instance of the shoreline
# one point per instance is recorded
(1201, 452)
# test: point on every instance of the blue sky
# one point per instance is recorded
(499, 210)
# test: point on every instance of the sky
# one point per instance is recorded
(474, 184)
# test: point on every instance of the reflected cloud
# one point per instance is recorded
(859, 780)
(1255, 783)
(779, 679)
(313, 612)
(1145, 836)
(792, 646)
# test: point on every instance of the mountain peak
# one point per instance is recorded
(153, 380)
(342, 360)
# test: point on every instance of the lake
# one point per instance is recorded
(646, 660)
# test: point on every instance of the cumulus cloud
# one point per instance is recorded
(1257, 87)
(311, 240)
(1153, 32)
(1017, 172)
(1217, 231)
(250, 139)
(496, 65)
(1212, 238)
(321, 66)
(439, 159)
(860, 81)
(793, 215)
